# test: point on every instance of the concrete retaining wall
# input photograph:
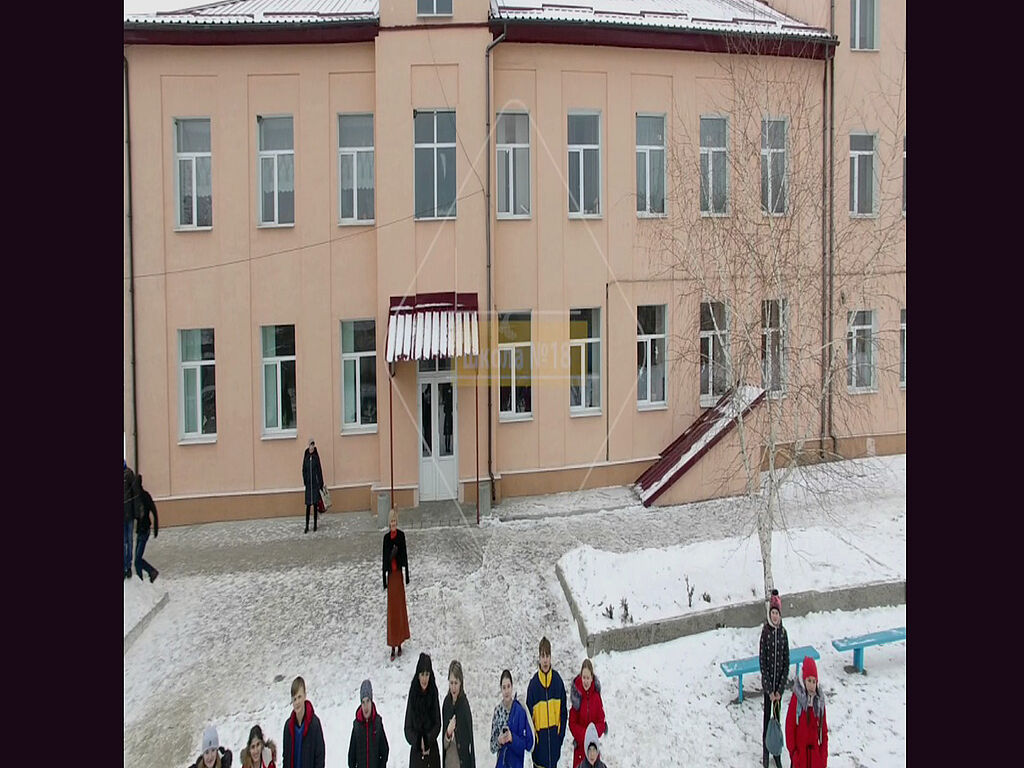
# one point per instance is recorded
(750, 614)
(134, 632)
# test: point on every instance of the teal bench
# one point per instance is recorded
(859, 643)
(740, 667)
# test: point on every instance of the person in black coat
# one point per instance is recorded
(423, 717)
(147, 507)
(368, 747)
(395, 558)
(774, 660)
(313, 479)
(304, 736)
(131, 496)
(457, 719)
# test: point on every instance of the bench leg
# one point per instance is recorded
(858, 659)
(741, 689)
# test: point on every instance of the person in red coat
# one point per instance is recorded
(806, 723)
(587, 708)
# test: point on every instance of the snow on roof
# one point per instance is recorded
(264, 12)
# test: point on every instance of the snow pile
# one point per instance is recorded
(729, 571)
(140, 597)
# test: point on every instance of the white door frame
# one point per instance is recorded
(438, 475)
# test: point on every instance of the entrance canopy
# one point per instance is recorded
(428, 326)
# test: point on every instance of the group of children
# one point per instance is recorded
(538, 728)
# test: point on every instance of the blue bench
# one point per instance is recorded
(740, 667)
(859, 643)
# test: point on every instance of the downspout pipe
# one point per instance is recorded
(824, 260)
(831, 221)
(131, 269)
(487, 229)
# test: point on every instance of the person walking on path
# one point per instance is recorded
(146, 507)
(593, 754)
(545, 698)
(259, 753)
(774, 659)
(586, 710)
(213, 754)
(131, 496)
(303, 739)
(512, 734)
(423, 717)
(368, 747)
(806, 720)
(457, 719)
(394, 559)
(313, 479)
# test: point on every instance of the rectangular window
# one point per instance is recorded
(650, 355)
(774, 323)
(513, 164)
(862, 174)
(193, 173)
(650, 164)
(355, 169)
(773, 167)
(714, 165)
(358, 374)
(862, 25)
(904, 175)
(860, 351)
(903, 348)
(584, 165)
(435, 163)
(198, 384)
(279, 406)
(515, 391)
(714, 352)
(584, 360)
(277, 170)
(433, 7)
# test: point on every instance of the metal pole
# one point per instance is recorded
(476, 403)
(391, 426)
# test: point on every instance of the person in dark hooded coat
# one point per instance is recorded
(774, 661)
(457, 719)
(313, 479)
(423, 717)
(146, 509)
(368, 747)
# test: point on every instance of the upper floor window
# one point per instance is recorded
(650, 164)
(435, 163)
(773, 167)
(198, 384)
(513, 164)
(862, 174)
(515, 391)
(860, 351)
(863, 25)
(358, 374)
(279, 406)
(773, 345)
(355, 169)
(714, 351)
(193, 173)
(584, 360)
(277, 170)
(650, 355)
(903, 347)
(433, 7)
(714, 165)
(584, 164)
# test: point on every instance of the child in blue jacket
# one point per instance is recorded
(511, 730)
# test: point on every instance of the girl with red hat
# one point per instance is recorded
(806, 724)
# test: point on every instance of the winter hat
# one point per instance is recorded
(591, 738)
(775, 601)
(810, 669)
(365, 690)
(210, 740)
(311, 442)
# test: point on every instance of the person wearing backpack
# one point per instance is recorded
(144, 509)
(774, 661)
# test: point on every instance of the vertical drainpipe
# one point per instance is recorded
(824, 257)
(831, 214)
(131, 268)
(487, 213)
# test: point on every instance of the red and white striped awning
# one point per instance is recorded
(428, 326)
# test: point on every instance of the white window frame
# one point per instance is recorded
(767, 334)
(710, 152)
(710, 398)
(903, 348)
(855, 10)
(586, 409)
(179, 155)
(274, 154)
(648, 339)
(276, 360)
(434, 145)
(766, 156)
(645, 149)
(509, 150)
(855, 155)
(354, 153)
(435, 12)
(852, 331)
(511, 348)
(197, 365)
(580, 149)
(904, 175)
(356, 427)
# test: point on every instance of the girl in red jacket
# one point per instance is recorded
(587, 708)
(806, 724)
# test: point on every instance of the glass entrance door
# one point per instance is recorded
(438, 434)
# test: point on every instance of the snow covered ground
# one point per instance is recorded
(255, 603)
(139, 599)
